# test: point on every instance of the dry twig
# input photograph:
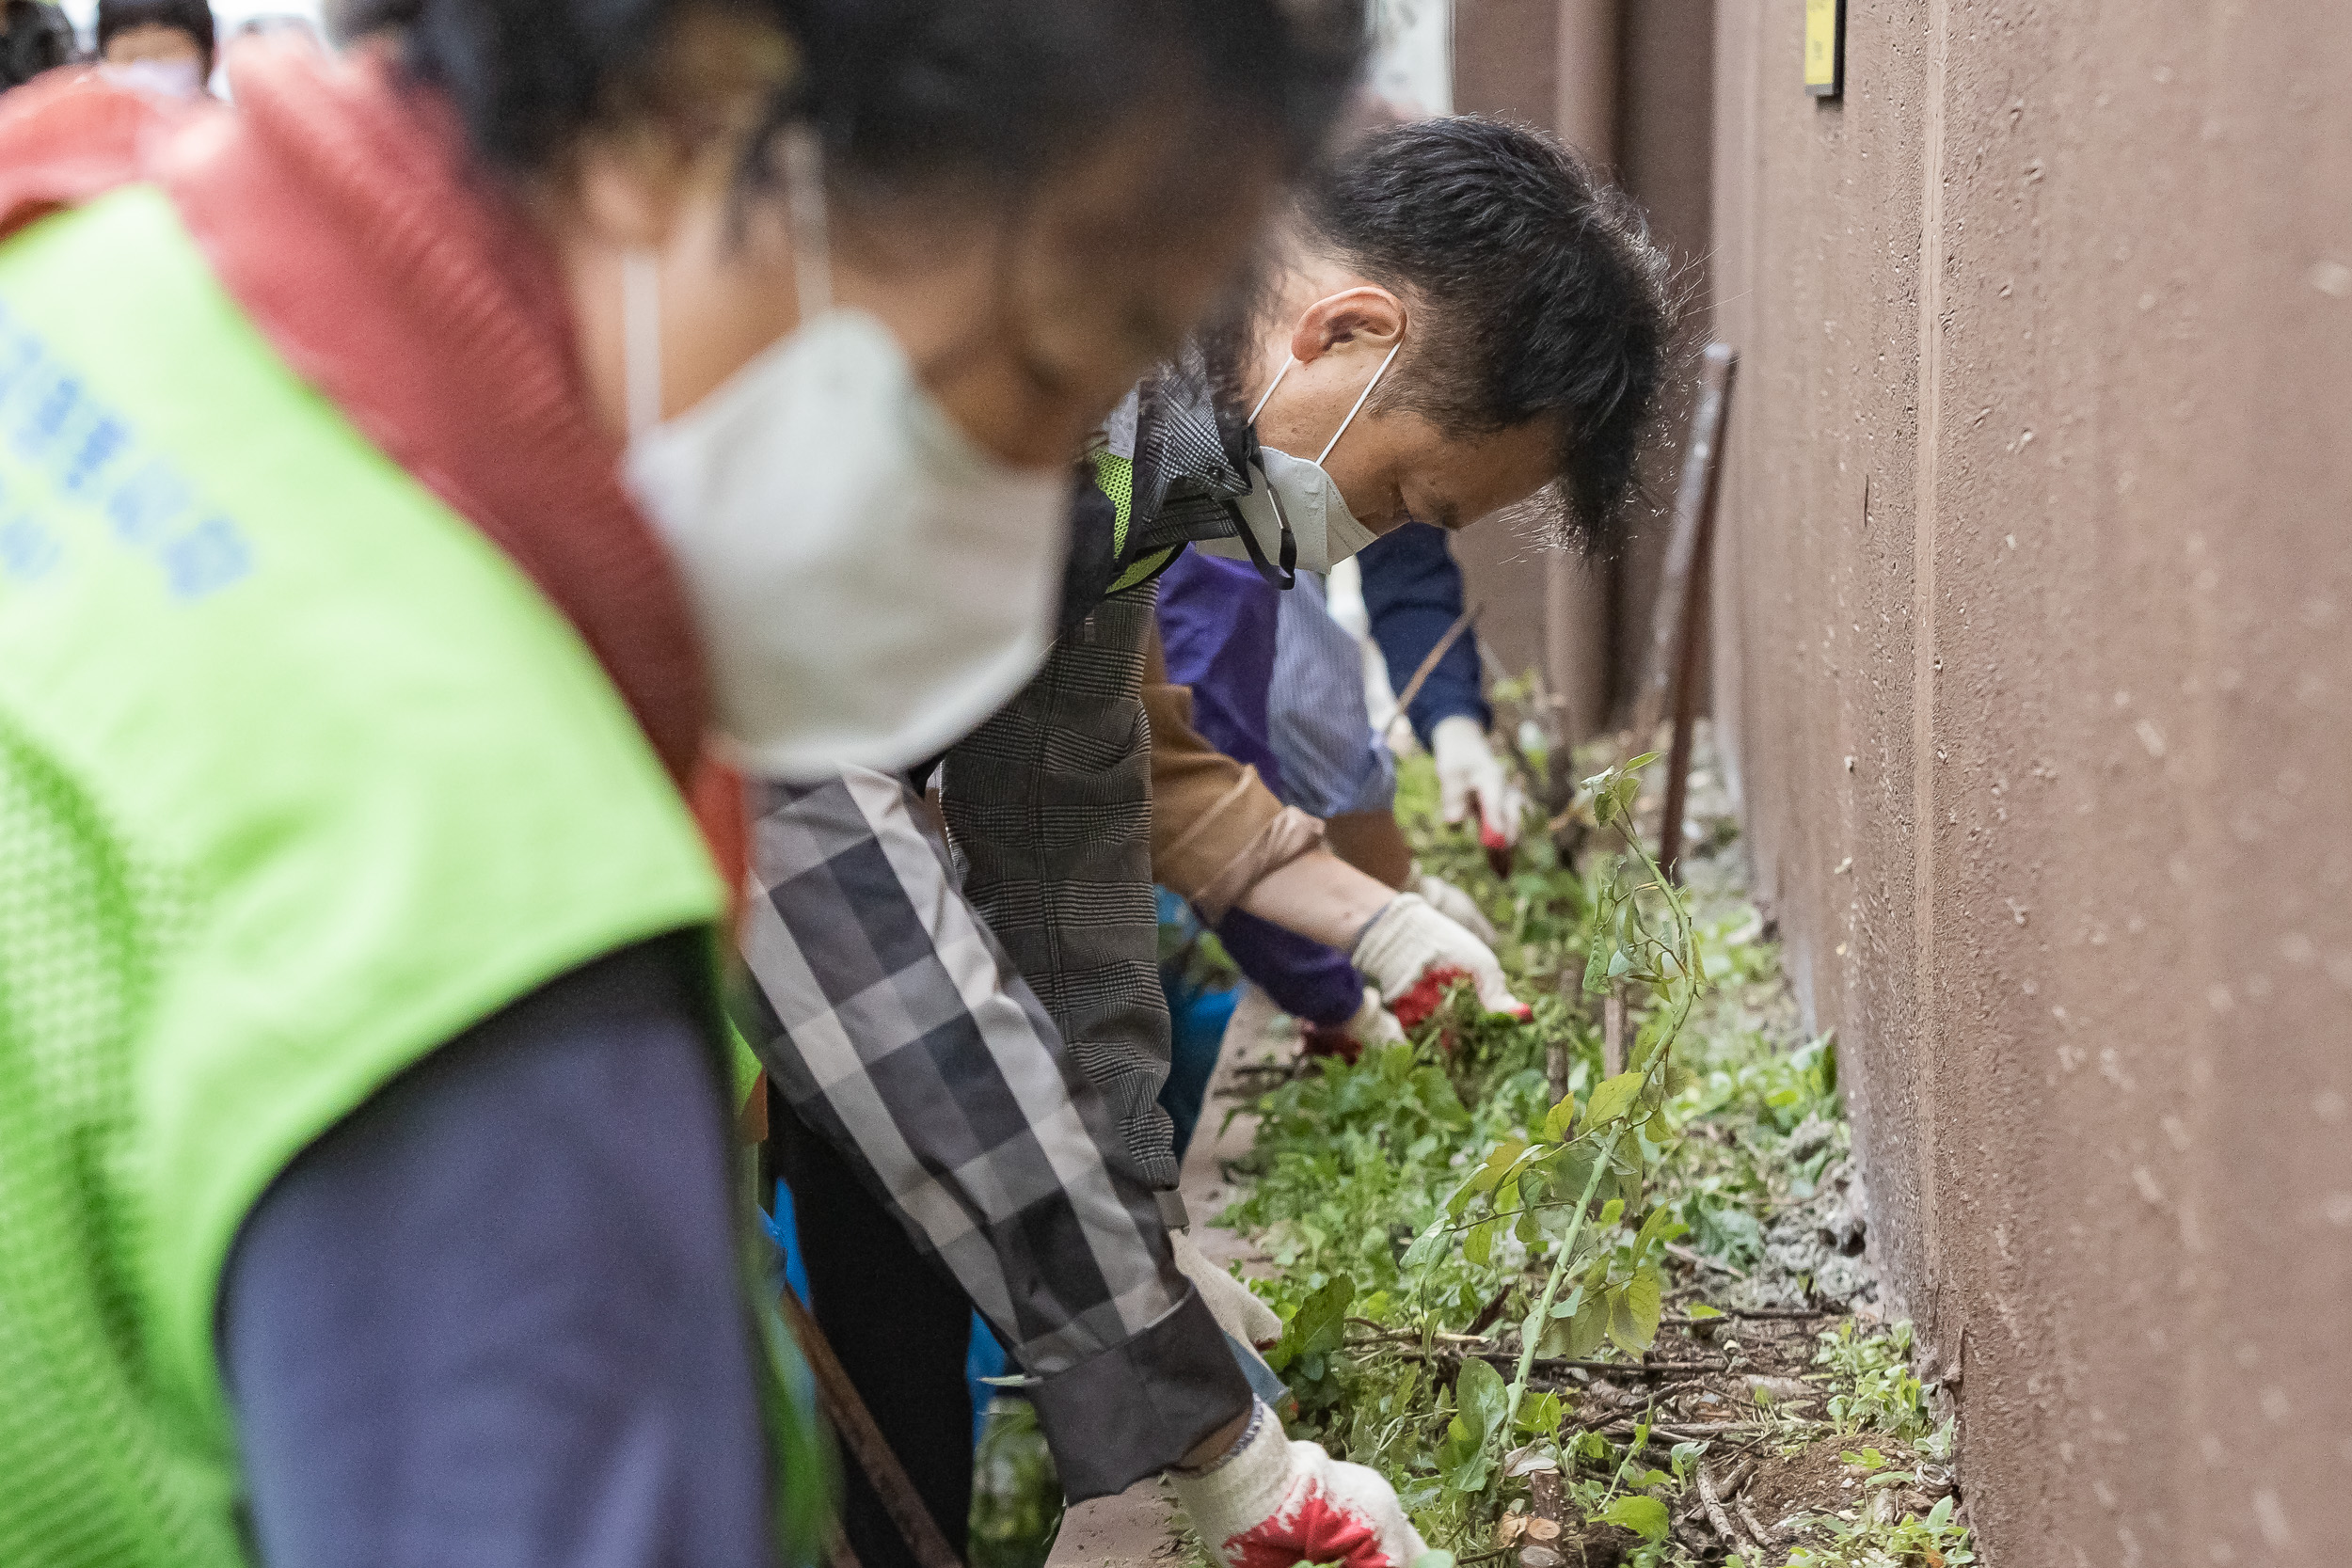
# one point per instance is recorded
(1716, 1515)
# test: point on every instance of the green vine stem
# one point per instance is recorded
(1684, 957)
(1531, 1337)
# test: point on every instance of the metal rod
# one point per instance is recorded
(1421, 673)
(1684, 595)
(856, 1427)
(1694, 510)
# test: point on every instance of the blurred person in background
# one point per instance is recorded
(665, 369)
(301, 27)
(34, 37)
(164, 46)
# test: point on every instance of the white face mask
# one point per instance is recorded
(1295, 501)
(169, 78)
(869, 585)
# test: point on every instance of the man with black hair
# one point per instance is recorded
(1463, 316)
(166, 46)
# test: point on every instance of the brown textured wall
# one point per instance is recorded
(1640, 99)
(2031, 621)
(1506, 63)
(1665, 158)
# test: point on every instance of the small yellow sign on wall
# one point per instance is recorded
(1824, 47)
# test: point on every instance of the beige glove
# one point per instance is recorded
(1237, 1310)
(1373, 1025)
(1409, 939)
(1468, 770)
(1275, 1501)
(1457, 906)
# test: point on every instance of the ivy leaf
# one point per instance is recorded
(1559, 1119)
(1482, 1396)
(1660, 1229)
(1633, 1313)
(1596, 965)
(1479, 1246)
(1462, 1457)
(1498, 1160)
(1589, 1326)
(1318, 1327)
(1644, 1517)
(1613, 1098)
(1540, 1415)
(1425, 1247)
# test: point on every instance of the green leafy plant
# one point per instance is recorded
(1566, 1189)
(1877, 1390)
(1857, 1539)
(1391, 1344)
(1016, 1497)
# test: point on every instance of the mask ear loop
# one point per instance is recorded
(1361, 397)
(1285, 577)
(805, 208)
(641, 338)
(1286, 543)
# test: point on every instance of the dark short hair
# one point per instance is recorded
(1535, 290)
(192, 17)
(976, 96)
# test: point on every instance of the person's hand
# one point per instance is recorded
(1272, 1503)
(1468, 770)
(1234, 1305)
(1409, 940)
(1373, 1025)
(1457, 906)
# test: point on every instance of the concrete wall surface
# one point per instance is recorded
(2034, 628)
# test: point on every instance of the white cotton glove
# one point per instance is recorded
(1409, 939)
(1234, 1305)
(1275, 1502)
(1457, 906)
(1468, 770)
(1373, 1025)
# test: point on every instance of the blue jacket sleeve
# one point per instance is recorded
(1218, 626)
(493, 1318)
(1413, 592)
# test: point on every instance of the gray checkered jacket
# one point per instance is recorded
(899, 1028)
(1012, 1124)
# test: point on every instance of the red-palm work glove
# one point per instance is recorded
(1273, 1503)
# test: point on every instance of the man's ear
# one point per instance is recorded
(1365, 313)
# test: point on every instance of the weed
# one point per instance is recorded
(1436, 1185)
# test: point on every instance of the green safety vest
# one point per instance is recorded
(299, 779)
(1116, 477)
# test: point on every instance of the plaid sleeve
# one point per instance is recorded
(898, 1028)
(893, 1020)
